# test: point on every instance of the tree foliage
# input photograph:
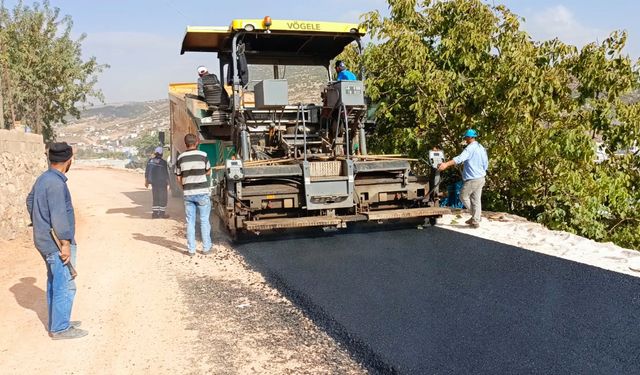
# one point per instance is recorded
(146, 143)
(439, 67)
(44, 76)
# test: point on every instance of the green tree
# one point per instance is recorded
(46, 78)
(438, 68)
(146, 143)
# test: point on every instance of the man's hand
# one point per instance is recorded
(65, 252)
(446, 165)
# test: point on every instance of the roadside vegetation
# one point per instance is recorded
(43, 77)
(146, 143)
(436, 68)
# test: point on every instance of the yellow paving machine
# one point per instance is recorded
(283, 160)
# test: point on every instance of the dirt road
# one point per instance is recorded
(147, 306)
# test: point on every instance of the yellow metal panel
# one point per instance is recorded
(183, 88)
(215, 38)
(208, 38)
(300, 26)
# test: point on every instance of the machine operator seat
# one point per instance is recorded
(215, 95)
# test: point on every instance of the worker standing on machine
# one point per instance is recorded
(344, 74)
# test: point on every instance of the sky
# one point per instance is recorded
(141, 39)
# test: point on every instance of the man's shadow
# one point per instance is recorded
(161, 241)
(31, 297)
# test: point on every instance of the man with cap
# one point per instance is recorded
(211, 90)
(476, 162)
(344, 74)
(157, 174)
(202, 71)
(49, 205)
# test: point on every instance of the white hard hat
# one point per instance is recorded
(202, 69)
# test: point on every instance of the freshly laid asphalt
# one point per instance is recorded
(434, 301)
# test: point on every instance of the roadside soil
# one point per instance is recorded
(148, 307)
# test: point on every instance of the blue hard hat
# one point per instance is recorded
(470, 133)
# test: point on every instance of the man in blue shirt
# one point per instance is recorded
(476, 163)
(343, 73)
(49, 205)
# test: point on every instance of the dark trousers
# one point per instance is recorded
(159, 192)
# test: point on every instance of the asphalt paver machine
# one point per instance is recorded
(283, 163)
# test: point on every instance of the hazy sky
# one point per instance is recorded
(140, 39)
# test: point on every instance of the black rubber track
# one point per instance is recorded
(434, 301)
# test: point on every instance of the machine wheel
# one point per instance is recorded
(433, 220)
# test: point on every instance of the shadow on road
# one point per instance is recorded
(161, 241)
(142, 199)
(31, 297)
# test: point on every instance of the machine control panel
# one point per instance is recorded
(436, 157)
(271, 93)
(349, 93)
(234, 169)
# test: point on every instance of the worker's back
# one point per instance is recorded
(214, 93)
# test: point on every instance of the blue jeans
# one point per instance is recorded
(61, 290)
(203, 204)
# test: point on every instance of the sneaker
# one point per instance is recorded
(163, 215)
(191, 254)
(155, 215)
(469, 221)
(474, 224)
(207, 252)
(71, 333)
(75, 323)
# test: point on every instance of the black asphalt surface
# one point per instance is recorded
(434, 301)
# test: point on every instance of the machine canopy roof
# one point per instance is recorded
(282, 43)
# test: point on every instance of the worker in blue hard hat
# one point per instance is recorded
(476, 162)
(344, 74)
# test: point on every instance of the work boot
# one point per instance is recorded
(71, 333)
(155, 215)
(469, 221)
(473, 224)
(162, 215)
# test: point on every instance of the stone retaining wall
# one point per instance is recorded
(22, 160)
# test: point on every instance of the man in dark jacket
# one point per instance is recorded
(49, 205)
(210, 89)
(157, 174)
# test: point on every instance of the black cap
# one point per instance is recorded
(59, 152)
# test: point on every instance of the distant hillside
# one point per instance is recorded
(126, 110)
(114, 128)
